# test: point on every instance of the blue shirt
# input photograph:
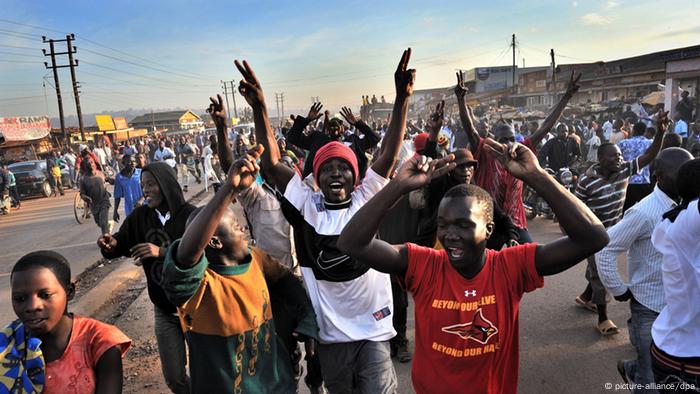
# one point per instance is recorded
(631, 149)
(128, 188)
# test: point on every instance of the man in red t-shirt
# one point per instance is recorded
(467, 297)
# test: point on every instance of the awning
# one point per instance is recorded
(25, 128)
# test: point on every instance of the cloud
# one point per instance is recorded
(468, 29)
(533, 30)
(682, 32)
(575, 4)
(611, 4)
(593, 19)
(428, 20)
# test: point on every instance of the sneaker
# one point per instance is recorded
(623, 372)
(404, 354)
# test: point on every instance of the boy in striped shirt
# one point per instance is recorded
(603, 188)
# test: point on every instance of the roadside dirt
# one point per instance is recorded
(94, 275)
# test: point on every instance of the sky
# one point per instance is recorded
(167, 54)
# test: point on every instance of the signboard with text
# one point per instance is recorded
(25, 128)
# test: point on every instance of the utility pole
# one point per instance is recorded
(233, 96)
(55, 68)
(554, 77)
(513, 45)
(282, 102)
(277, 102)
(71, 51)
(228, 85)
(228, 109)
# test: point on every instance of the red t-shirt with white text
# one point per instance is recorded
(467, 329)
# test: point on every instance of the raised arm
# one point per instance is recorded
(371, 139)
(651, 152)
(198, 234)
(465, 115)
(218, 116)
(585, 233)
(277, 173)
(358, 237)
(403, 79)
(554, 116)
(296, 135)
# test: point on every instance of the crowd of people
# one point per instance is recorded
(344, 217)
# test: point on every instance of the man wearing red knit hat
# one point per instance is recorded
(353, 303)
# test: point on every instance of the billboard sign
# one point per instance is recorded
(25, 128)
(104, 122)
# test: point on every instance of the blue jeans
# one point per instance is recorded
(639, 325)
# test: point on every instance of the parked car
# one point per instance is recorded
(31, 178)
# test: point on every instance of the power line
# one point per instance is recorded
(18, 61)
(100, 45)
(140, 65)
(17, 47)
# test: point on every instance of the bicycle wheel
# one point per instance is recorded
(79, 208)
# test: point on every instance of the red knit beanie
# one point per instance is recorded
(335, 150)
(420, 142)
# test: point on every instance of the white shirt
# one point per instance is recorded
(101, 156)
(633, 235)
(70, 158)
(345, 311)
(161, 154)
(676, 330)
(607, 130)
(681, 128)
(593, 144)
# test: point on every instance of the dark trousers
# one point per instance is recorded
(400, 313)
(635, 193)
(672, 374)
(14, 194)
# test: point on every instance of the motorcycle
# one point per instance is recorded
(534, 204)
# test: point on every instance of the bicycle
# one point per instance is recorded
(81, 208)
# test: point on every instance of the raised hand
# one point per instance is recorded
(348, 115)
(249, 86)
(573, 85)
(460, 89)
(404, 77)
(217, 111)
(420, 170)
(314, 112)
(662, 122)
(437, 117)
(243, 171)
(516, 158)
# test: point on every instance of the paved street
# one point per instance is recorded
(48, 223)
(560, 349)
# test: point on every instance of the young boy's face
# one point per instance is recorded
(231, 235)
(335, 179)
(151, 190)
(38, 299)
(463, 230)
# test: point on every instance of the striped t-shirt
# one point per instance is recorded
(606, 196)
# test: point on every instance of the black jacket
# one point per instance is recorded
(143, 225)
